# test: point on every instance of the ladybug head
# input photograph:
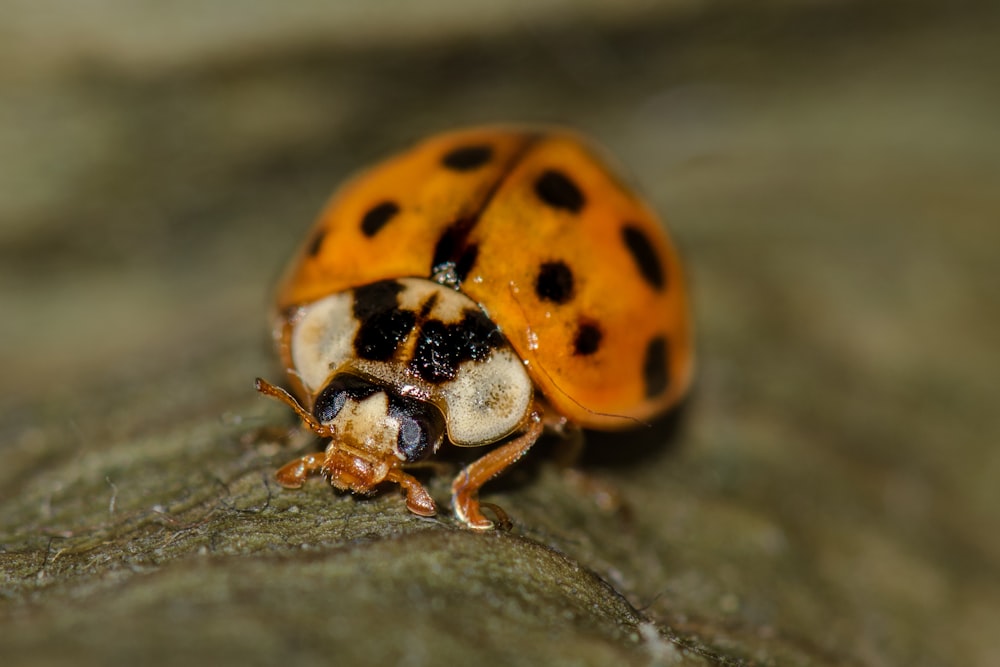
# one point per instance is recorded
(371, 419)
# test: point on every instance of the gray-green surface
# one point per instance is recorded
(830, 497)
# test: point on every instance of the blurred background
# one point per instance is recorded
(830, 170)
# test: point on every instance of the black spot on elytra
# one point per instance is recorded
(554, 282)
(467, 158)
(452, 254)
(588, 339)
(466, 261)
(383, 326)
(645, 257)
(655, 372)
(556, 189)
(446, 246)
(377, 217)
(441, 347)
(316, 243)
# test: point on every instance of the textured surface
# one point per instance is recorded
(829, 498)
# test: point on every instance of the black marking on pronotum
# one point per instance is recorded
(380, 335)
(467, 158)
(383, 326)
(376, 297)
(588, 339)
(335, 394)
(556, 189)
(554, 282)
(421, 427)
(654, 367)
(316, 243)
(644, 256)
(377, 217)
(427, 306)
(453, 257)
(441, 347)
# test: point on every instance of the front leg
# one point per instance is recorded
(293, 475)
(465, 488)
(418, 500)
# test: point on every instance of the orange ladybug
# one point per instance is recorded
(474, 290)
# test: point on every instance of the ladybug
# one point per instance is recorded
(476, 289)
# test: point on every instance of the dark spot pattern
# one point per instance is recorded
(446, 247)
(316, 243)
(467, 158)
(655, 372)
(556, 189)
(427, 306)
(335, 394)
(554, 282)
(441, 347)
(644, 256)
(375, 298)
(466, 261)
(381, 335)
(588, 339)
(452, 255)
(377, 217)
(383, 326)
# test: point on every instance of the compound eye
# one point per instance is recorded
(413, 438)
(328, 405)
(331, 400)
(421, 427)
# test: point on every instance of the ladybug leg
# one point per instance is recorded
(418, 500)
(465, 488)
(293, 475)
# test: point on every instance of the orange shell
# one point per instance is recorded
(576, 270)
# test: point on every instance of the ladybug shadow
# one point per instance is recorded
(634, 447)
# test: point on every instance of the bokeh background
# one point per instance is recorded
(831, 172)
